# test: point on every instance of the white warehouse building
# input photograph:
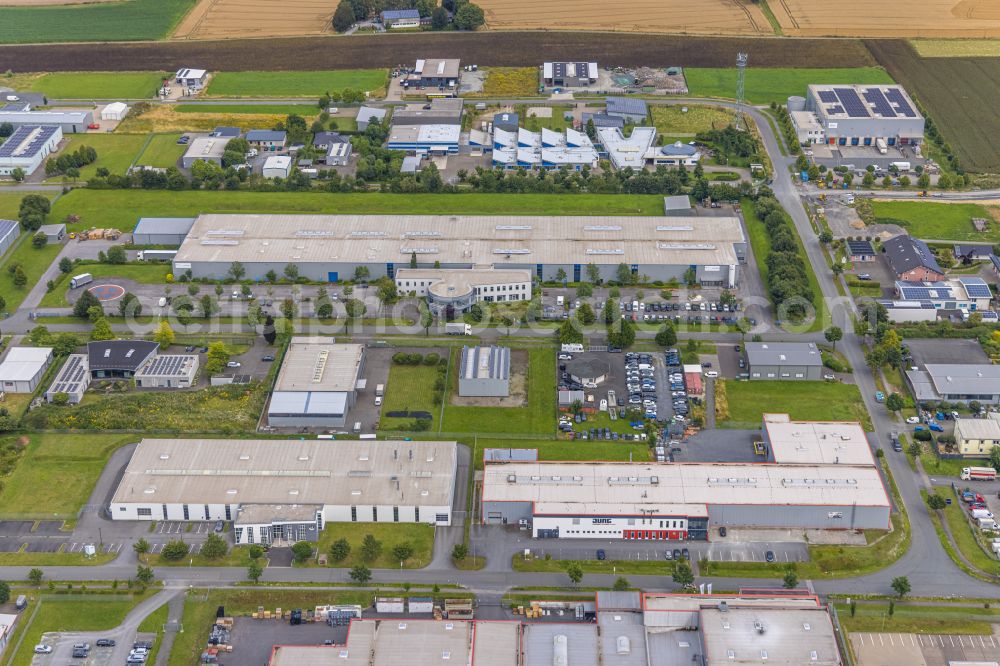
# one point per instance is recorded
(28, 147)
(331, 247)
(287, 490)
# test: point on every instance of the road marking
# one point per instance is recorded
(952, 639)
(982, 642)
(992, 644)
(881, 640)
(892, 641)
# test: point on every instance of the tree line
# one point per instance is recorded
(457, 14)
(787, 276)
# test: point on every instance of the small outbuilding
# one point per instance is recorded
(277, 166)
(860, 251)
(366, 114)
(54, 233)
(23, 367)
(114, 111)
(485, 371)
(588, 370)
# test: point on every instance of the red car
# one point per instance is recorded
(94, 126)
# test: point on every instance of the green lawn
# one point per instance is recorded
(96, 85)
(766, 85)
(804, 401)
(33, 261)
(935, 466)
(419, 535)
(557, 122)
(965, 539)
(139, 272)
(536, 417)
(238, 556)
(409, 389)
(296, 84)
(283, 109)
(200, 607)
(922, 619)
(551, 449)
(161, 151)
(137, 20)
(673, 122)
(115, 152)
(71, 613)
(937, 221)
(121, 208)
(56, 474)
(10, 202)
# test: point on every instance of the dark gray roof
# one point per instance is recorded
(266, 135)
(396, 14)
(327, 138)
(678, 148)
(603, 120)
(859, 248)
(119, 354)
(783, 353)
(163, 225)
(8, 226)
(628, 105)
(969, 249)
(905, 253)
(228, 132)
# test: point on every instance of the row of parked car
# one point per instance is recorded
(678, 388)
(640, 380)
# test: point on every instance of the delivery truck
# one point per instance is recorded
(156, 255)
(380, 390)
(80, 280)
(458, 329)
(902, 166)
(880, 144)
(978, 474)
(987, 524)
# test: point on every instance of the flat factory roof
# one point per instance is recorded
(169, 365)
(817, 442)
(674, 484)
(964, 379)
(222, 471)
(440, 68)
(320, 364)
(761, 635)
(485, 363)
(783, 353)
(451, 281)
(206, 147)
(455, 239)
(24, 363)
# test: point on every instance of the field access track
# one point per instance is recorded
(510, 49)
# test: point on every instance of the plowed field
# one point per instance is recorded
(864, 18)
(736, 17)
(227, 19)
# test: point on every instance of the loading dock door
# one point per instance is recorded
(333, 276)
(494, 518)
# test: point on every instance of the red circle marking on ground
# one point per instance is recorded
(107, 292)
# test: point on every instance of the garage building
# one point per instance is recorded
(205, 148)
(161, 230)
(485, 371)
(277, 166)
(23, 367)
(326, 247)
(435, 72)
(114, 111)
(317, 384)
(289, 488)
(784, 360)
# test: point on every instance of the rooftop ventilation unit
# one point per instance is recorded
(616, 251)
(602, 227)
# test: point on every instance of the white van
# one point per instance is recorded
(357, 427)
(162, 302)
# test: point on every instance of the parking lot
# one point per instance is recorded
(253, 640)
(880, 649)
(62, 651)
(586, 549)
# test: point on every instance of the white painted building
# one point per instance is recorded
(460, 288)
(277, 166)
(276, 489)
(169, 371)
(28, 147)
(23, 367)
(114, 111)
(72, 379)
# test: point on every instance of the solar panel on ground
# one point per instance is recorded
(852, 103)
(895, 95)
(827, 96)
(881, 104)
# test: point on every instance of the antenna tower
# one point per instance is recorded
(741, 70)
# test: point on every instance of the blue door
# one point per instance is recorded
(333, 276)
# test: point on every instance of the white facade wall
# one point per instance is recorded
(619, 527)
(30, 163)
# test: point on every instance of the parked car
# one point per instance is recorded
(43, 649)
(105, 642)
(233, 364)
(601, 554)
(769, 556)
(268, 358)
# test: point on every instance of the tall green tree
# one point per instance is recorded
(832, 335)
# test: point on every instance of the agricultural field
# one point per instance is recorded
(740, 17)
(161, 151)
(938, 221)
(115, 152)
(960, 94)
(671, 121)
(121, 208)
(764, 86)
(88, 85)
(804, 401)
(487, 49)
(164, 118)
(227, 19)
(296, 84)
(957, 48)
(56, 474)
(136, 20)
(854, 18)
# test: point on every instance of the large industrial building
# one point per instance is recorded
(792, 628)
(569, 74)
(484, 371)
(70, 122)
(287, 490)
(784, 360)
(328, 247)
(819, 476)
(956, 382)
(317, 384)
(547, 149)
(23, 367)
(458, 289)
(856, 115)
(27, 148)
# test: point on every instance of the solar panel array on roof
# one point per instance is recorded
(71, 375)
(924, 293)
(895, 95)
(976, 288)
(857, 247)
(170, 365)
(835, 109)
(827, 96)
(27, 140)
(852, 103)
(881, 104)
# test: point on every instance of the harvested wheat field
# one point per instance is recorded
(163, 118)
(40, 3)
(725, 17)
(225, 19)
(864, 18)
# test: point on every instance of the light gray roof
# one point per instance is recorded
(783, 353)
(367, 113)
(24, 363)
(164, 225)
(957, 379)
(485, 363)
(677, 202)
(73, 376)
(234, 471)
(608, 600)
(8, 227)
(772, 636)
(46, 117)
(579, 642)
(317, 363)
(205, 147)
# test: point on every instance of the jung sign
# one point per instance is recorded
(601, 521)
